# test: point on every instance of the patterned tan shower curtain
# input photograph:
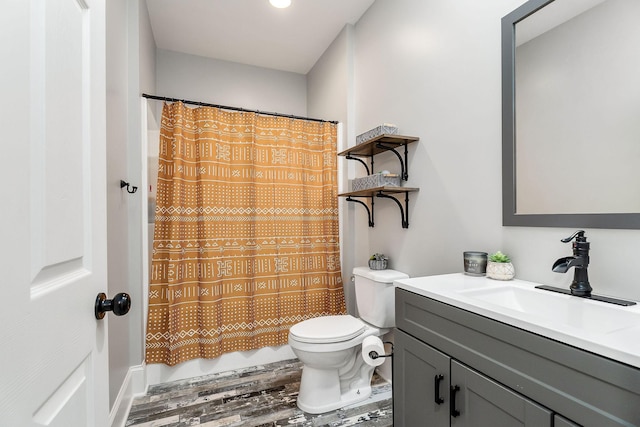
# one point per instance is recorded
(246, 232)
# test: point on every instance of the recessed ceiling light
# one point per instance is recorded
(280, 4)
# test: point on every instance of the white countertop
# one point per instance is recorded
(605, 329)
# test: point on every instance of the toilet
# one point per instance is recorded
(334, 373)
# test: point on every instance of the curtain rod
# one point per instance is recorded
(204, 104)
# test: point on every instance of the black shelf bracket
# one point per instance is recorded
(369, 171)
(369, 211)
(404, 212)
(403, 162)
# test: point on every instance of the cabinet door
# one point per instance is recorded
(420, 384)
(559, 421)
(481, 402)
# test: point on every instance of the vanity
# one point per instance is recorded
(475, 351)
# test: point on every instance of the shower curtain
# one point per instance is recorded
(246, 232)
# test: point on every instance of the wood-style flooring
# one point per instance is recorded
(259, 396)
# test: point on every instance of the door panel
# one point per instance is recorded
(483, 402)
(57, 112)
(68, 402)
(416, 366)
(53, 369)
(559, 421)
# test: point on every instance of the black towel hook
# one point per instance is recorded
(131, 190)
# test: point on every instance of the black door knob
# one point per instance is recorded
(120, 304)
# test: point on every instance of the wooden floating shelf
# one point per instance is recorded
(371, 148)
(373, 191)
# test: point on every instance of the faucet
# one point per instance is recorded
(580, 261)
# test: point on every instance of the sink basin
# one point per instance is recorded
(606, 329)
(573, 312)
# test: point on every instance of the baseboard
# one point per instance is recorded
(133, 385)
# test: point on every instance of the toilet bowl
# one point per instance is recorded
(334, 373)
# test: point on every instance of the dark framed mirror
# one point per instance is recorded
(571, 114)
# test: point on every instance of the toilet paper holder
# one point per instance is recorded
(374, 354)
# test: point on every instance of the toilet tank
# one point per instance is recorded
(375, 295)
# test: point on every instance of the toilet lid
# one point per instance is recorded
(327, 329)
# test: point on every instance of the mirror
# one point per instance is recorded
(571, 114)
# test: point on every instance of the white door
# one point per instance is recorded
(53, 355)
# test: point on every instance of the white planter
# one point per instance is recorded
(500, 270)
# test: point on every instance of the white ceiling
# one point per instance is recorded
(252, 31)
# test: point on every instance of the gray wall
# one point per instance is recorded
(142, 63)
(117, 201)
(130, 70)
(330, 95)
(433, 68)
(197, 78)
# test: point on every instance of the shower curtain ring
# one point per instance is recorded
(131, 189)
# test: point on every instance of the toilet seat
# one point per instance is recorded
(327, 329)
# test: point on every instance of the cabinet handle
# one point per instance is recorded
(452, 401)
(436, 386)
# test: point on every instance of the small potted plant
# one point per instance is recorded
(378, 261)
(499, 267)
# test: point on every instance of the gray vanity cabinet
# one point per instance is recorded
(506, 376)
(432, 389)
